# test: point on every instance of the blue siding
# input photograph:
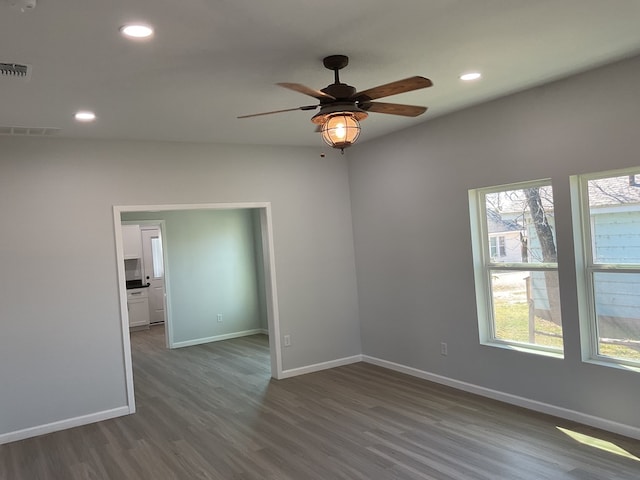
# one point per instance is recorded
(539, 291)
(616, 237)
(617, 294)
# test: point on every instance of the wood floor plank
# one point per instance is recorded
(211, 412)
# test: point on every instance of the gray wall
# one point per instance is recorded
(412, 240)
(212, 270)
(60, 346)
(260, 272)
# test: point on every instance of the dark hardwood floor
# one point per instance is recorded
(212, 412)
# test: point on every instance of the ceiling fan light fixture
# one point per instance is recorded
(343, 107)
(341, 130)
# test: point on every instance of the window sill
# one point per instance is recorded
(524, 349)
(611, 363)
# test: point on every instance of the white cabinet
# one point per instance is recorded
(132, 241)
(138, 306)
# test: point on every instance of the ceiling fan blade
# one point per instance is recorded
(393, 88)
(306, 107)
(312, 92)
(393, 108)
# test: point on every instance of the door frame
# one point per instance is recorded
(266, 234)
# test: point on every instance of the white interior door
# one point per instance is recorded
(153, 265)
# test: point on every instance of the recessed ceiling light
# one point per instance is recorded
(467, 77)
(85, 116)
(136, 31)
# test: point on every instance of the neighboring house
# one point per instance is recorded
(615, 225)
(506, 241)
(615, 219)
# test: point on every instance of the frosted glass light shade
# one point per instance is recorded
(341, 130)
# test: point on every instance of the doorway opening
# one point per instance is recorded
(179, 287)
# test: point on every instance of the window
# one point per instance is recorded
(497, 246)
(516, 269)
(156, 255)
(607, 215)
(493, 247)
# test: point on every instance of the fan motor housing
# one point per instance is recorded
(338, 107)
(340, 91)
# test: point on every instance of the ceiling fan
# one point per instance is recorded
(342, 107)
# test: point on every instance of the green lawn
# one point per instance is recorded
(512, 323)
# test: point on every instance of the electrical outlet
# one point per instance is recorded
(443, 349)
(287, 340)
(219, 317)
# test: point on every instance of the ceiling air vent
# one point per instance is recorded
(29, 131)
(15, 70)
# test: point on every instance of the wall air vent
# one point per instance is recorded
(15, 70)
(28, 131)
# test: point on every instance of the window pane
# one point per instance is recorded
(617, 306)
(156, 254)
(520, 225)
(493, 248)
(614, 209)
(526, 307)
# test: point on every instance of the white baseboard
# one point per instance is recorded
(217, 338)
(264, 331)
(63, 425)
(294, 372)
(534, 405)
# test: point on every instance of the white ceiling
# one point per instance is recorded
(212, 60)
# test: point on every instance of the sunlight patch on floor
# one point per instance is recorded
(598, 443)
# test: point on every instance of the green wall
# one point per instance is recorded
(212, 269)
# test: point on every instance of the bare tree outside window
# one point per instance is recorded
(522, 265)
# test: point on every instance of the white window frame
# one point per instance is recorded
(586, 268)
(483, 266)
